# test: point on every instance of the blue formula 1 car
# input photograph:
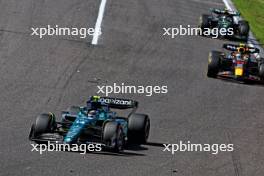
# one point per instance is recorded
(95, 123)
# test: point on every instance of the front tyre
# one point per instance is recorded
(113, 136)
(213, 64)
(45, 123)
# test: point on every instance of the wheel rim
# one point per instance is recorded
(119, 140)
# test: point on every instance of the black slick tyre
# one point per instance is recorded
(213, 64)
(113, 136)
(138, 128)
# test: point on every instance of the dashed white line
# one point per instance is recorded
(97, 29)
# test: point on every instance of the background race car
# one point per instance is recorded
(224, 19)
(241, 64)
(94, 123)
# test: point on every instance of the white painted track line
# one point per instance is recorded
(97, 29)
(227, 4)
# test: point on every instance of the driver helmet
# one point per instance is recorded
(95, 103)
(238, 56)
(245, 57)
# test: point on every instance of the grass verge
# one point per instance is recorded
(253, 11)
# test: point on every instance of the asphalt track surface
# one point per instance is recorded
(40, 75)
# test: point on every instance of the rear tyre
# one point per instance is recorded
(213, 64)
(243, 29)
(138, 128)
(113, 136)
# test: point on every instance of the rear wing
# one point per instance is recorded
(242, 48)
(118, 103)
(225, 12)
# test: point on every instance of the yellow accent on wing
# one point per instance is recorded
(96, 98)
